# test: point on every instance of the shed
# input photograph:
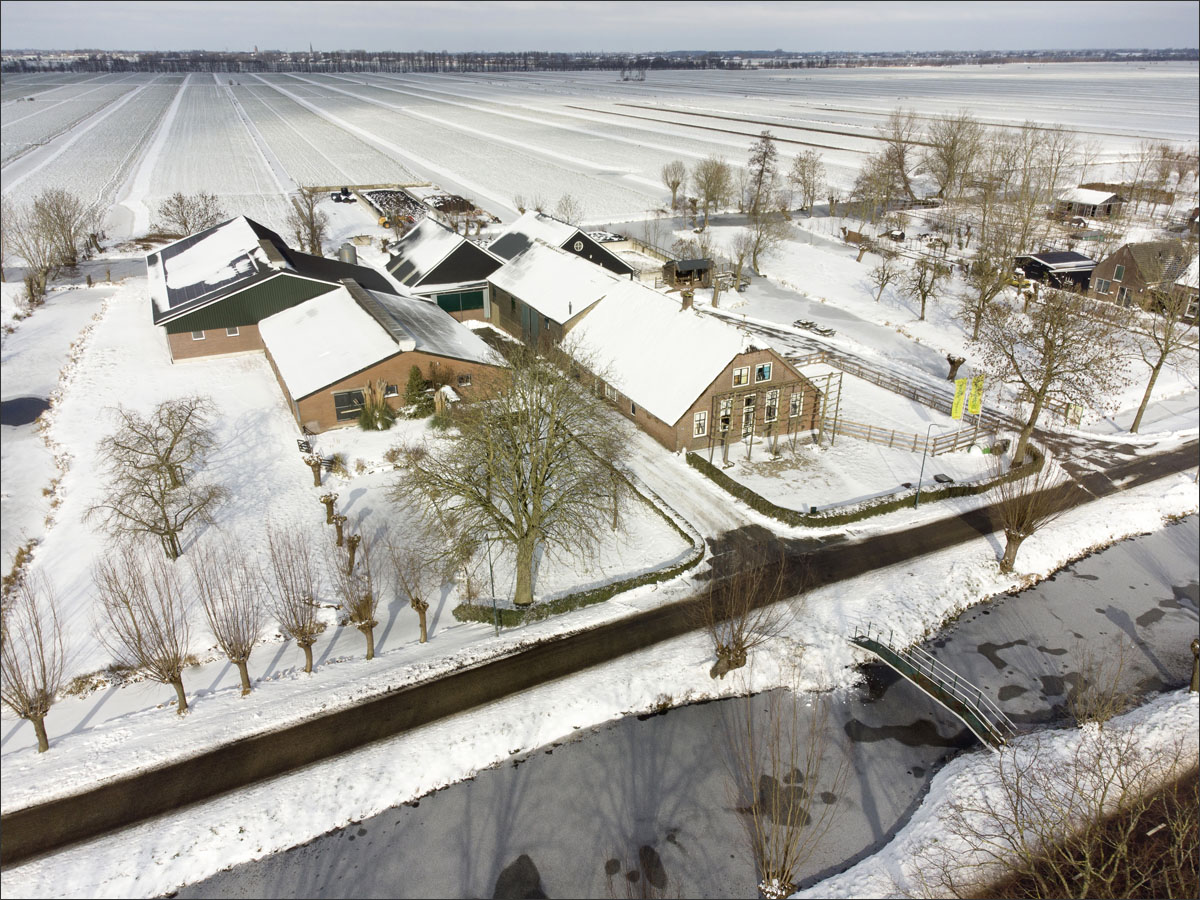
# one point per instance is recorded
(1090, 203)
(1059, 268)
(689, 273)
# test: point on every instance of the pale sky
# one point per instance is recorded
(616, 26)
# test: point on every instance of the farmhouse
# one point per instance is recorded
(689, 380)
(543, 292)
(1059, 268)
(1188, 285)
(535, 226)
(1134, 272)
(434, 262)
(1090, 203)
(209, 291)
(327, 350)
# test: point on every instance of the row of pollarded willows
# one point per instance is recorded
(145, 604)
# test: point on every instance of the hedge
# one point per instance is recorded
(886, 505)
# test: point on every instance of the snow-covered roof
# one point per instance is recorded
(330, 337)
(659, 355)
(1191, 276)
(1087, 196)
(323, 340)
(188, 271)
(418, 253)
(531, 226)
(557, 284)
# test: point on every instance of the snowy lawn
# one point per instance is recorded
(190, 845)
(806, 475)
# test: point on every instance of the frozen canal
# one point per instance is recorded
(649, 797)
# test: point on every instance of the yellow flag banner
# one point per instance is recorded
(975, 403)
(960, 398)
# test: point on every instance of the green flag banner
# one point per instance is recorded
(960, 398)
(975, 403)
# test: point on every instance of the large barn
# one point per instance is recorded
(210, 290)
(434, 262)
(536, 226)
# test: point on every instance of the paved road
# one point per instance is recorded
(800, 564)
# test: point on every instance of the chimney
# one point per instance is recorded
(347, 254)
(687, 296)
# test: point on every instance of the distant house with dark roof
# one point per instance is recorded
(210, 290)
(1133, 273)
(326, 350)
(434, 262)
(534, 226)
(1058, 268)
(1090, 203)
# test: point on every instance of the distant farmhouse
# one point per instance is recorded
(210, 290)
(327, 328)
(535, 226)
(1134, 273)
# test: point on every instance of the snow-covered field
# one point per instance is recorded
(493, 136)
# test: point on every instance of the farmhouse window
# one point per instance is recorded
(392, 391)
(772, 406)
(632, 408)
(197, 335)
(347, 404)
(464, 380)
(1102, 286)
(232, 332)
(762, 372)
(610, 392)
(795, 405)
(1123, 296)
(726, 412)
(1119, 273)
(700, 426)
(741, 376)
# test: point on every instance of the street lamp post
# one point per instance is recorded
(917, 499)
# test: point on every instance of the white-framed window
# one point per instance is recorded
(1123, 296)
(1119, 273)
(392, 391)
(632, 408)
(741, 376)
(610, 392)
(772, 406)
(197, 335)
(464, 380)
(232, 332)
(725, 412)
(762, 372)
(795, 405)
(1102, 286)
(700, 424)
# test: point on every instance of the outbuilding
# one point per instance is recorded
(435, 262)
(534, 226)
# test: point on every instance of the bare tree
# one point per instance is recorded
(151, 464)
(887, 272)
(568, 209)
(229, 587)
(418, 573)
(69, 221)
(1068, 816)
(292, 585)
(33, 653)
(740, 251)
(529, 466)
(1164, 339)
(807, 175)
(355, 590)
(988, 274)
(712, 180)
(763, 170)
(874, 188)
(185, 214)
(27, 236)
(776, 765)
(308, 224)
(769, 229)
(744, 611)
(900, 134)
(924, 282)
(144, 616)
(1028, 504)
(954, 142)
(674, 176)
(1064, 348)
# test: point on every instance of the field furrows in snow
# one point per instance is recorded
(96, 167)
(506, 169)
(313, 150)
(43, 120)
(209, 149)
